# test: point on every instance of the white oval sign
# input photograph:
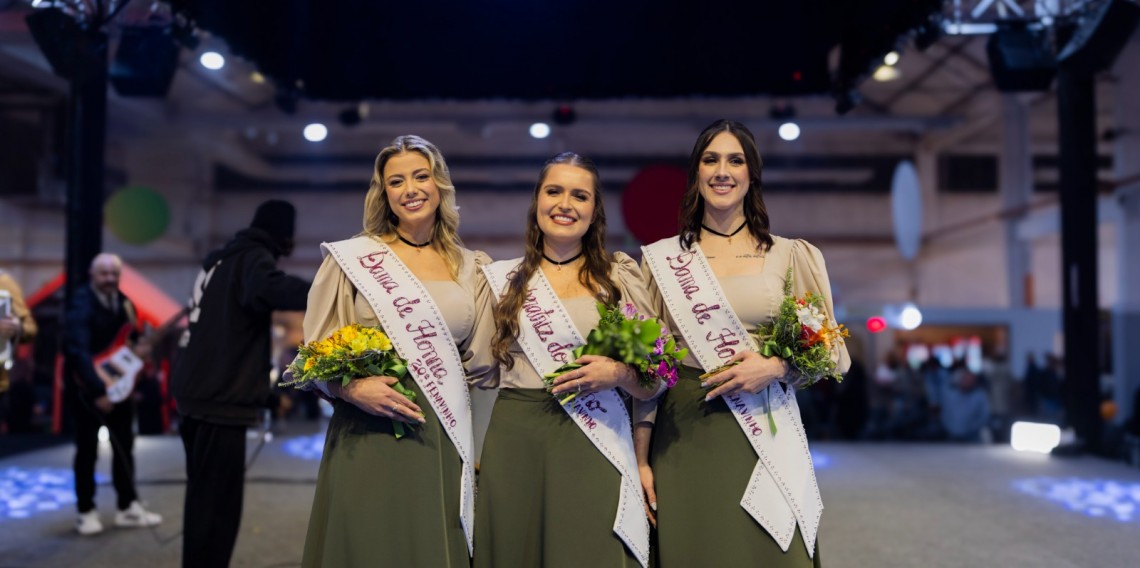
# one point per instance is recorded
(906, 209)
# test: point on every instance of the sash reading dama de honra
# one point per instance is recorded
(418, 331)
(548, 336)
(782, 491)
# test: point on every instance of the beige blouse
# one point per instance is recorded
(584, 313)
(756, 298)
(465, 304)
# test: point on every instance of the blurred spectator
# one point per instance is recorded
(935, 379)
(965, 407)
(16, 326)
(852, 405)
(1001, 385)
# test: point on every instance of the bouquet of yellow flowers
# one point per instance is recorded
(351, 352)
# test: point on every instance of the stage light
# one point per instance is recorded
(316, 132)
(910, 317)
(257, 77)
(104, 435)
(876, 324)
(891, 58)
(789, 131)
(1034, 437)
(885, 73)
(540, 130)
(212, 60)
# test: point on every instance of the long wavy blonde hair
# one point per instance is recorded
(379, 219)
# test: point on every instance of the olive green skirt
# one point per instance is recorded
(547, 497)
(386, 502)
(702, 462)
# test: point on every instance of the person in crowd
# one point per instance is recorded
(1001, 385)
(97, 319)
(16, 326)
(545, 473)
(221, 381)
(727, 265)
(965, 407)
(407, 501)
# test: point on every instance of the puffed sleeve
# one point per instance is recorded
(329, 307)
(627, 276)
(646, 410)
(482, 368)
(809, 274)
(330, 304)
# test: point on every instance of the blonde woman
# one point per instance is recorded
(409, 501)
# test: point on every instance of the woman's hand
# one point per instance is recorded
(646, 474)
(376, 396)
(642, 439)
(596, 374)
(752, 374)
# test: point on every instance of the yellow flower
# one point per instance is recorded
(380, 342)
(309, 363)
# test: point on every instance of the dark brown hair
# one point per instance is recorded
(594, 273)
(693, 205)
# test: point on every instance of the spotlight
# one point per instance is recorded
(316, 132)
(789, 131)
(910, 317)
(876, 324)
(885, 73)
(891, 58)
(212, 60)
(1034, 437)
(540, 130)
(564, 115)
(257, 77)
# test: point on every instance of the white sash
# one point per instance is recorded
(418, 331)
(782, 490)
(548, 336)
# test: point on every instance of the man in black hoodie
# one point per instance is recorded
(221, 380)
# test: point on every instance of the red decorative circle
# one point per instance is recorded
(652, 201)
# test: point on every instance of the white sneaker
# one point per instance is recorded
(88, 523)
(136, 516)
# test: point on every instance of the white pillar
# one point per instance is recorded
(1015, 167)
(1126, 160)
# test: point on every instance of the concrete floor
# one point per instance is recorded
(887, 505)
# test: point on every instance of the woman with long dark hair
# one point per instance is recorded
(379, 499)
(717, 280)
(554, 477)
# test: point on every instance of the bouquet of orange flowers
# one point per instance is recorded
(351, 352)
(803, 335)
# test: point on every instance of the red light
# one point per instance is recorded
(875, 324)
(796, 75)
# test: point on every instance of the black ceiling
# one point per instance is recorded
(558, 49)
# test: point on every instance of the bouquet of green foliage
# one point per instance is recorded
(628, 337)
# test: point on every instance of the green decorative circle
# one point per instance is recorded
(137, 215)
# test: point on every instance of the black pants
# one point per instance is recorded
(119, 425)
(215, 484)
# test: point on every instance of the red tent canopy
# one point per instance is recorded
(153, 305)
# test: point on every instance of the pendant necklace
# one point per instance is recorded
(725, 235)
(560, 263)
